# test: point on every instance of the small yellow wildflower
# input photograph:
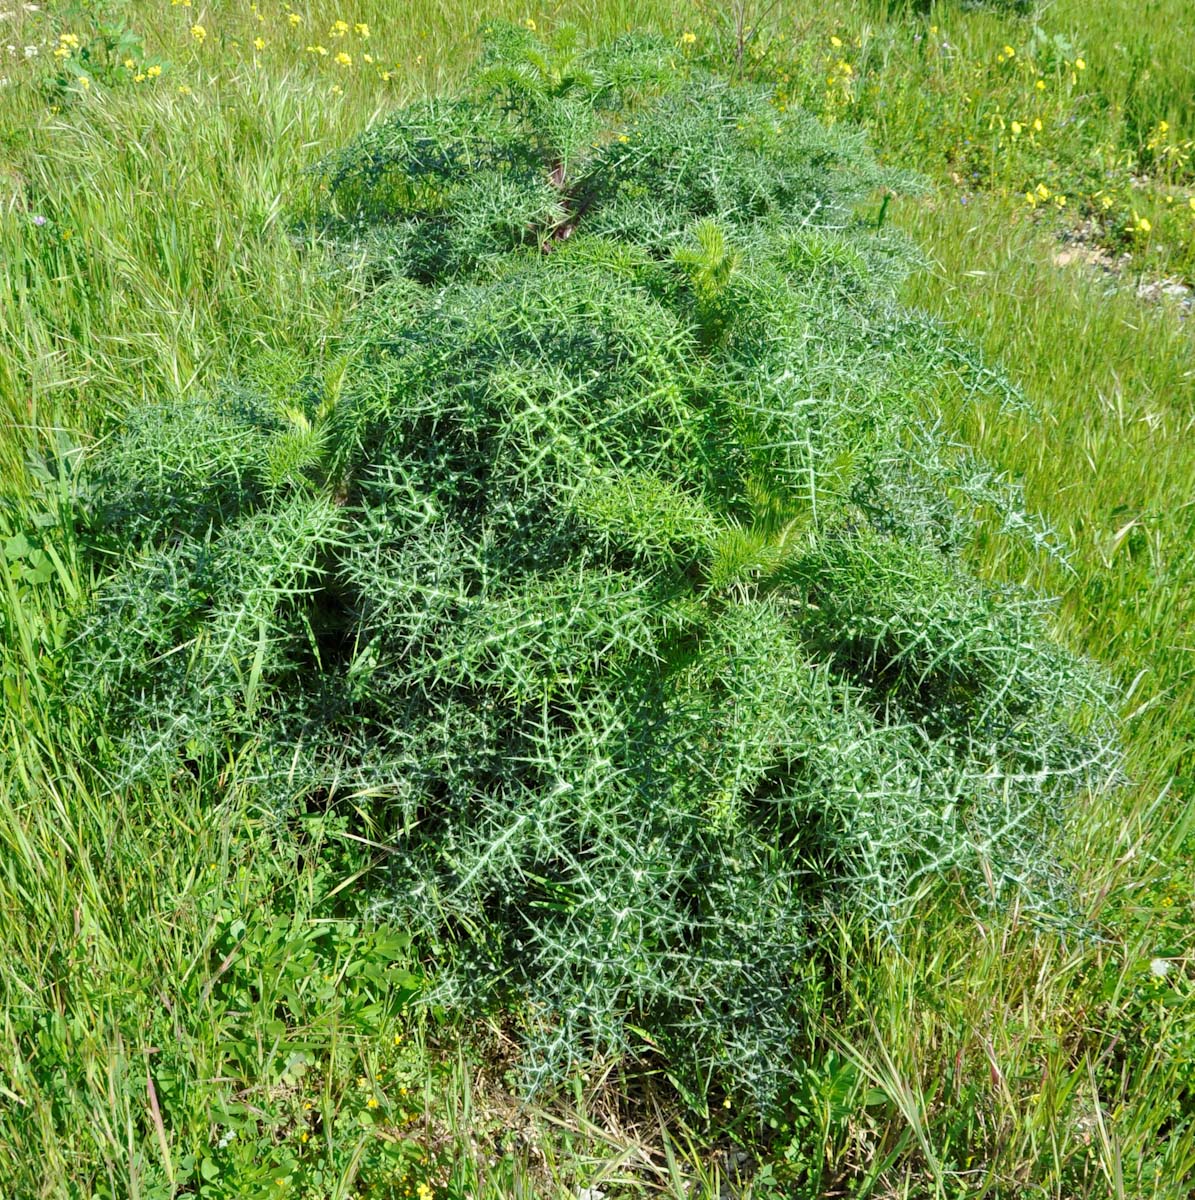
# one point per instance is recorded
(62, 52)
(1037, 124)
(304, 1136)
(387, 76)
(933, 29)
(1106, 203)
(1009, 52)
(530, 24)
(345, 60)
(84, 82)
(1031, 199)
(423, 1192)
(69, 39)
(1043, 191)
(129, 65)
(361, 29)
(726, 1102)
(1163, 127)
(1060, 201)
(139, 77)
(1040, 85)
(198, 33)
(339, 29)
(372, 1102)
(322, 51)
(293, 18)
(999, 58)
(259, 43)
(183, 90)
(1191, 202)
(836, 42)
(622, 137)
(1080, 65)
(154, 71)
(183, 3)
(1016, 128)
(368, 58)
(688, 38)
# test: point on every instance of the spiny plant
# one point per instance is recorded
(614, 564)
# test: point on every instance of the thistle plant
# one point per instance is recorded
(615, 566)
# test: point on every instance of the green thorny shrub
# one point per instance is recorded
(614, 565)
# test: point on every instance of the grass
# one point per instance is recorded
(163, 953)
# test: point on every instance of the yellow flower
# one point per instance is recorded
(1031, 199)
(836, 42)
(198, 33)
(1009, 52)
(69, 39)
(1163, 127)
(183, 90)
(1040, 85)
(933, 29)
(339, 28)
(63, 52)
(1106, 203)
(84, 82)
(361, 29)
(139, 77)
(129, 64)
(423, 1192)
(184, 3)
(1016, 128)
(622, 137)
(1043, 191)
(1060, 201)
(154, 71)
(1191, 202)
(688, 38)
(1037, 124)
(259, 43)
(372, 1102)
(320, 50)
(530, 24)
(345, 60)
(367, 58)
(1080, 65)
(386, 77)
(294, 18)
(304, 1136)
(337, 90)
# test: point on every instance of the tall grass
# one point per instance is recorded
(989, 1054)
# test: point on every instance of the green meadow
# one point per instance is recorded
(203, 991)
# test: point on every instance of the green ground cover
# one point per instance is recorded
(195, 995)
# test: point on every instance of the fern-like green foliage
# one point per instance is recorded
(615, 564)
